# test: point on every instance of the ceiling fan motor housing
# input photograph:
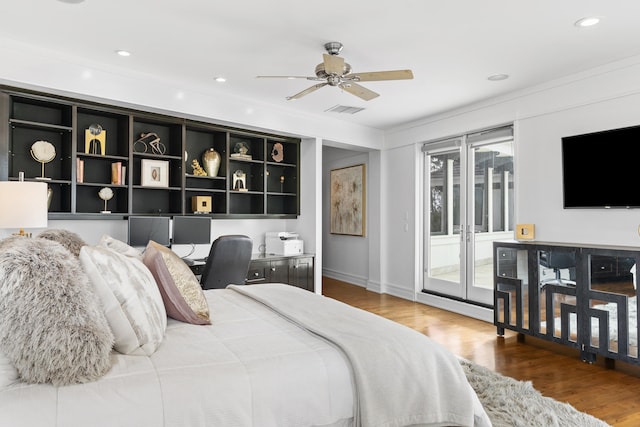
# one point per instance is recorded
(322, 74)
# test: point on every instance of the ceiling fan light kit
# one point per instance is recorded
(334, 71)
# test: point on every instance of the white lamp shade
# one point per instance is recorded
(23, 204)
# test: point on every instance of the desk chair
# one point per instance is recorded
(558, 260)
(227, 263)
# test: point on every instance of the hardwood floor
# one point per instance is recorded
(613, 395)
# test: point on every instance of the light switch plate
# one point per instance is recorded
(525, 231)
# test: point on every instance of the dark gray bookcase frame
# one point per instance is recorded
(273, 187)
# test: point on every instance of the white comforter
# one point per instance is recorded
(401, 377)
(251, 367)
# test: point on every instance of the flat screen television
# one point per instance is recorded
(601, 169)
(145, 228)
(191, 230)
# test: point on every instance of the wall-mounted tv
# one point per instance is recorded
(601, 169)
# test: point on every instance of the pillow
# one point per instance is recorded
(52, 327)
(10, 240)
(130, 298)
(70, 240)
(119, 246)
(181, 292)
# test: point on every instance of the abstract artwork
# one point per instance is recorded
(348, 200)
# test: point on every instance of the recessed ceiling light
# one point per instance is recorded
(71, 1)
(220, 79)
(587, 22)
(123, 52)
(498, 77)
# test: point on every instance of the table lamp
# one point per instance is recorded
(23, 205)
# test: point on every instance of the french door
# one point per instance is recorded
(468, 204)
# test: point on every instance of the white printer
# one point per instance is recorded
(283, 243)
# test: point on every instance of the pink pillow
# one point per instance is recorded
(181, 293)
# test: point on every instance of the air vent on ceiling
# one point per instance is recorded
(345, 109)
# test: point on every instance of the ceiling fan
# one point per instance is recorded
(334, 71)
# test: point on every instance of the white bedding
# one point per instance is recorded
(251, 367)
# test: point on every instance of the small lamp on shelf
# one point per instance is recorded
(23, 204)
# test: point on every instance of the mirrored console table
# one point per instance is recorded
(581, 296)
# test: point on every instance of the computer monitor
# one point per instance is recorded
(191, 230)
(145, 228)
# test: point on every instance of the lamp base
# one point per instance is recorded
(43, 178)
(105, 212)
(22, 233)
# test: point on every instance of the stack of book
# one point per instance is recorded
(241, 156)
(79, 170)
(118, 173)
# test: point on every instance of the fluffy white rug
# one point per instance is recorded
(513, 403)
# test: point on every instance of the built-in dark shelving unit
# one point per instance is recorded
(81, 169)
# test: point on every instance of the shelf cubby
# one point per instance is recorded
(88, 200)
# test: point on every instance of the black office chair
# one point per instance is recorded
(228, 262)
(559, 260)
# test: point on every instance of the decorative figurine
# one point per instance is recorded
(197, 169)
(277, 153)
(149, 140)
(241, 151)
(43, 152)
(240, 181)
(105, 194)
(95, 136)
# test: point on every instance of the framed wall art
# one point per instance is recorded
(155, 173)
(348, 200)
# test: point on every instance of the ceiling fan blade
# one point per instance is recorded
(381, 75)
(306, 91)
(359, 91)
(333, 64)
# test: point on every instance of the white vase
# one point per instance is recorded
(211, 161)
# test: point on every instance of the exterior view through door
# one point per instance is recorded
(468, 204)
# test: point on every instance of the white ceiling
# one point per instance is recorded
(452, 46)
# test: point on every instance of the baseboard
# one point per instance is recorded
(460, 307)
(345, 277)
(398, 291)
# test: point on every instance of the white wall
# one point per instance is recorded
(92, 230)
(345, 258)
(598, 99)
(400, 230)
(309, 223)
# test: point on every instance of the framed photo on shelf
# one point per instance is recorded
(348, 200)
(155, 173)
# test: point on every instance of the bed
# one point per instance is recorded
(272, 355)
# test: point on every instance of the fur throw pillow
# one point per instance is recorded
(52, 327)
(68, 239)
